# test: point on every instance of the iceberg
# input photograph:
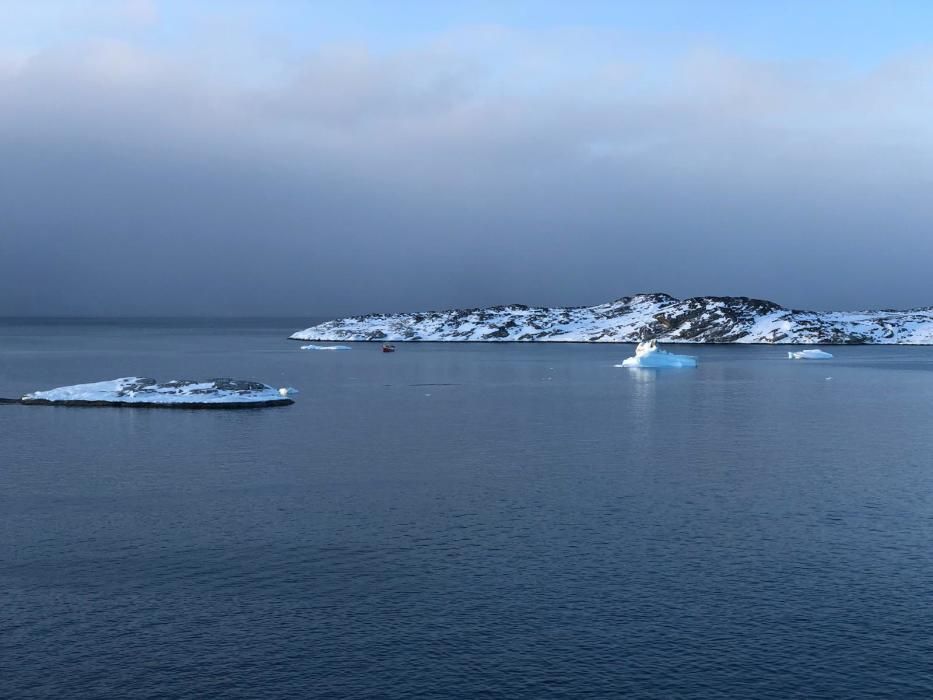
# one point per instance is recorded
(139, 392)
(809, 355)
(647, 354)
(326, 347)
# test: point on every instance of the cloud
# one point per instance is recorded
(140, 13)
(478, 166)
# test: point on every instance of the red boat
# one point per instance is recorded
(388, 348)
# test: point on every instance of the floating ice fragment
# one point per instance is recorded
(809, 355)
(647, 354)
(326, 347)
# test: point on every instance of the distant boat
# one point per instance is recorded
(386, 347)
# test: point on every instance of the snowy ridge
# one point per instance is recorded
(631, 319)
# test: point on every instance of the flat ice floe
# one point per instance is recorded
(326, 347)
(648, 354)
(148, 393)
(809, 355)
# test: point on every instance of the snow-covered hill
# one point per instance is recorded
(660, 316)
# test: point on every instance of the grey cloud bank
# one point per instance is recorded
(149, 182)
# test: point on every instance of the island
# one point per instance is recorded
(138, 392)
(656, 316)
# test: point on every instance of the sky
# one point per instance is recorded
(286, 158)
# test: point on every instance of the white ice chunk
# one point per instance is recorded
(809, 355)
(647, 354)
(326, 347)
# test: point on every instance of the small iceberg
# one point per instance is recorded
(326, 347)
(179, 393)
(809, 355)
(648, 354)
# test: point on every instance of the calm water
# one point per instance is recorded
(465, 521)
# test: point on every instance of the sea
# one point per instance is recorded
(464, 521)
